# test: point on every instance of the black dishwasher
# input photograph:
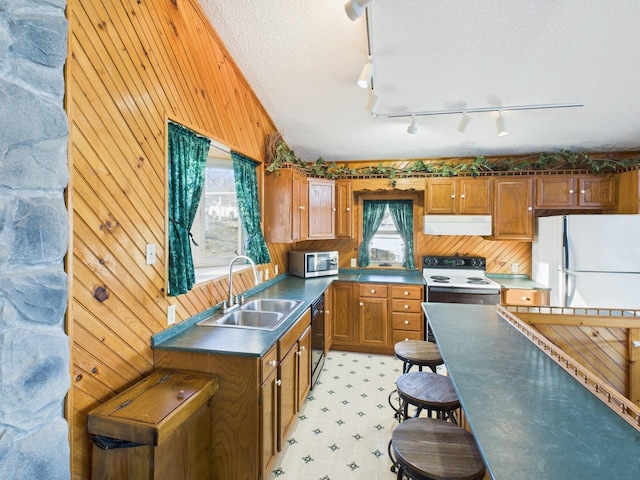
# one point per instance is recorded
(317, 338)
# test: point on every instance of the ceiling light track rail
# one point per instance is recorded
(464, 111)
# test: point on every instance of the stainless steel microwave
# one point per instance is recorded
(308, 264)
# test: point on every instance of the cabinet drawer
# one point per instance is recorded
(402, 305)
(290, 338)
(408, 321)
(403, 335)
(373, 290)
(413, 292)
(269, 362)
(524, 297)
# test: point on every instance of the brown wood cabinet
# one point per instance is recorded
(513, 209)
(373, 316)
(343, 326)
(524, 297)
(256, 401)
(471, 196)
(167, 416)
(344, 209)
(321, 210)
(575, 191)
(286, 218)
(407, 318)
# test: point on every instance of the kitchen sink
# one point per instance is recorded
(261, 314)
(271, 305)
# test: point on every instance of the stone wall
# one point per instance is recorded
(34, 349)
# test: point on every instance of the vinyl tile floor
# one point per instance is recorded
(343, 429)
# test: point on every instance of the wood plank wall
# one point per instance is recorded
(132, 65)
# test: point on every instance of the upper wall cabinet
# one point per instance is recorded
(322, 210)
(575, 191)
(344, 209)
(513, 209)
(470, 196)
(286, 216)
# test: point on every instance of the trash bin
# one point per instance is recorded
(158, 429)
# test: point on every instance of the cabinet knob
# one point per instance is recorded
(570, 191)
(526, 299)
(301, 207)
(348, 209)
(180, 394)
(278, 382)
(453, 196)
(406, 293)
(406, 306)
(373, 291)
(582, 191)
(302, 348)
(361, 304)
(530, 208)
(461, 196)
(406, 322)
(272, 363)
(333, 209)
(326, 312)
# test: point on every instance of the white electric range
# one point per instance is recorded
(456, 279)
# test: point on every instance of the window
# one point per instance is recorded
(217, 229)
(387, 248)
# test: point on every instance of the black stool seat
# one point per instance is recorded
(430, 391)
(418, 352)
(431, 449)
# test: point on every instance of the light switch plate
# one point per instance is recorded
(151, 253)
(171, 314)
(353, 263)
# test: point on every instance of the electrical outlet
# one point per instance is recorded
(171, 314)
(515, 267)
(353, 263)
(151, 253)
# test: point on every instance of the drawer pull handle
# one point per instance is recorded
(279, 382)
(406, 293)
(526, 299)
(406, 306)
(406, 322)
(361, 304)
(180, 394)
(373, 291)
(272, 363)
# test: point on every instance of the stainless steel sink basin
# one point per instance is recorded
(271, 305)
(261, 314)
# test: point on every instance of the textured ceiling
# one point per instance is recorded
(302, 59)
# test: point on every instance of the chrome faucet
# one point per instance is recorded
(231, 304)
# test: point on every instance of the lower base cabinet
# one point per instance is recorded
(247, 420)
(524, 297)
(372, 317)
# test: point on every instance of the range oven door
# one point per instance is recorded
(463, 295)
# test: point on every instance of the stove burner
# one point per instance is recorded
(477, 281)
(440, 281)
(439, 278)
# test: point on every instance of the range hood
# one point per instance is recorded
(457, 224)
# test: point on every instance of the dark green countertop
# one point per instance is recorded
(249, 342)
(531, 419)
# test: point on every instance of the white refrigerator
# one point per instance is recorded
(589, 260)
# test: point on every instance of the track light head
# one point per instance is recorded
(500, 125)
(413, 128)
(373, 102)
(464, 122)
(365, 75)
(355, 8)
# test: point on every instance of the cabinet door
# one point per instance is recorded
(344, 209)
(440, 196)
(343, 330)
(299, 201)
(278, 214)
(474, 196)
(269, 421)
(513, 209)
(287, 394)
(556, 191)
(596, 191)
(304, 367)
(321, 208)
(373, 322)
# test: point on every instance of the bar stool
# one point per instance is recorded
(432, 449)
(427, 391)
(418, 352)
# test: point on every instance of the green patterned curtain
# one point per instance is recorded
(244, 172)
(187, 161)
(402, 215)
(372, 214)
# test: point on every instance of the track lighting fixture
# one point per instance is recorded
(355, 8)
(365, 76)
(464, 122)
(373, 102)
(413, 128)
(500, 125)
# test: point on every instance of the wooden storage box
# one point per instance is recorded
(158, 429)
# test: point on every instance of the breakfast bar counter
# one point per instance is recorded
(531, 419)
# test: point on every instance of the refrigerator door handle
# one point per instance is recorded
(569, 289)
